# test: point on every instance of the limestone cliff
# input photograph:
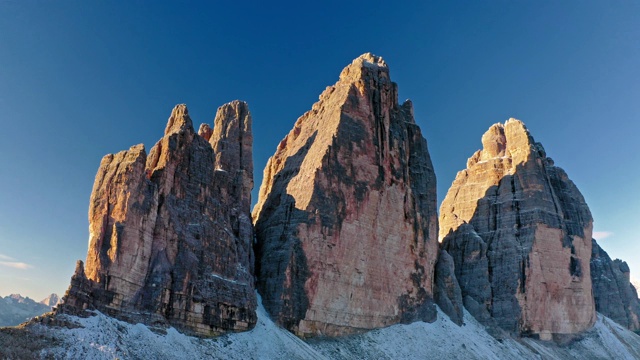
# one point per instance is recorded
(170, 233)
(519, 232)
(447, 291)
(346, 221)
(615, 296)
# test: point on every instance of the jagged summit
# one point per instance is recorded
(510, 140)
(205, 131)
(179, 120)
(367, 67)
(370, 60)
(170, 235)
(232, 129)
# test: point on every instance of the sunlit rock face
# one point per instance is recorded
(615, 296)
(346, 221)
(519, 232)
(170, 233)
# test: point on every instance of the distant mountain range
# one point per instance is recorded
(16, 309)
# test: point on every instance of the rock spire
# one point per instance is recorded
(346, 221)
(519, 232)
(170, 232)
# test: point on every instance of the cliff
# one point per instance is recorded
(615, 296)
(519, 232)
(170, 232)
(346, 221)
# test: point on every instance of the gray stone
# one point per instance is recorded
(170, 233)
(615, 296)
(519, 232)
(446, 289)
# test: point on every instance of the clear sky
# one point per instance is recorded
(80, 79)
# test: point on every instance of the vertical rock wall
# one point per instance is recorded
(447, 291)
(346, 221)
(615, 296)
(170, 233)
(519, 232)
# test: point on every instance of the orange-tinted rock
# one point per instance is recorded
(346, 222)
(519, 232)
(170, 233)
(205, 131)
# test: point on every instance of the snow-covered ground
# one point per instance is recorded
(102, 337)
(106, 338)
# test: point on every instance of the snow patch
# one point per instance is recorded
(228, 280)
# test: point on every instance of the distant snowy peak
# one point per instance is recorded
(51, 300)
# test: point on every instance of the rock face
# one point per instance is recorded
(446, 288)
(346, 221)
(519, 232)
(615, 297)
(171, 233)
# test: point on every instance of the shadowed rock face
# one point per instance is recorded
(615, 296)
(519, 232)
(446, 288)
(171, 233)
(346, 221)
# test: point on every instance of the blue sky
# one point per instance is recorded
(80, 79)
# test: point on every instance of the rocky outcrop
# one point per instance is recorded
(447, 292)
(519, 232)
(346, 220)
(170, 233)
(615, 296)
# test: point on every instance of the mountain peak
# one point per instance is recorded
(17, 297)
(365, 66)
(512, 200)
(160, 248)
(51, 300)
(351, 187)
(179, 120)
(369, 59)
(510, 140)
